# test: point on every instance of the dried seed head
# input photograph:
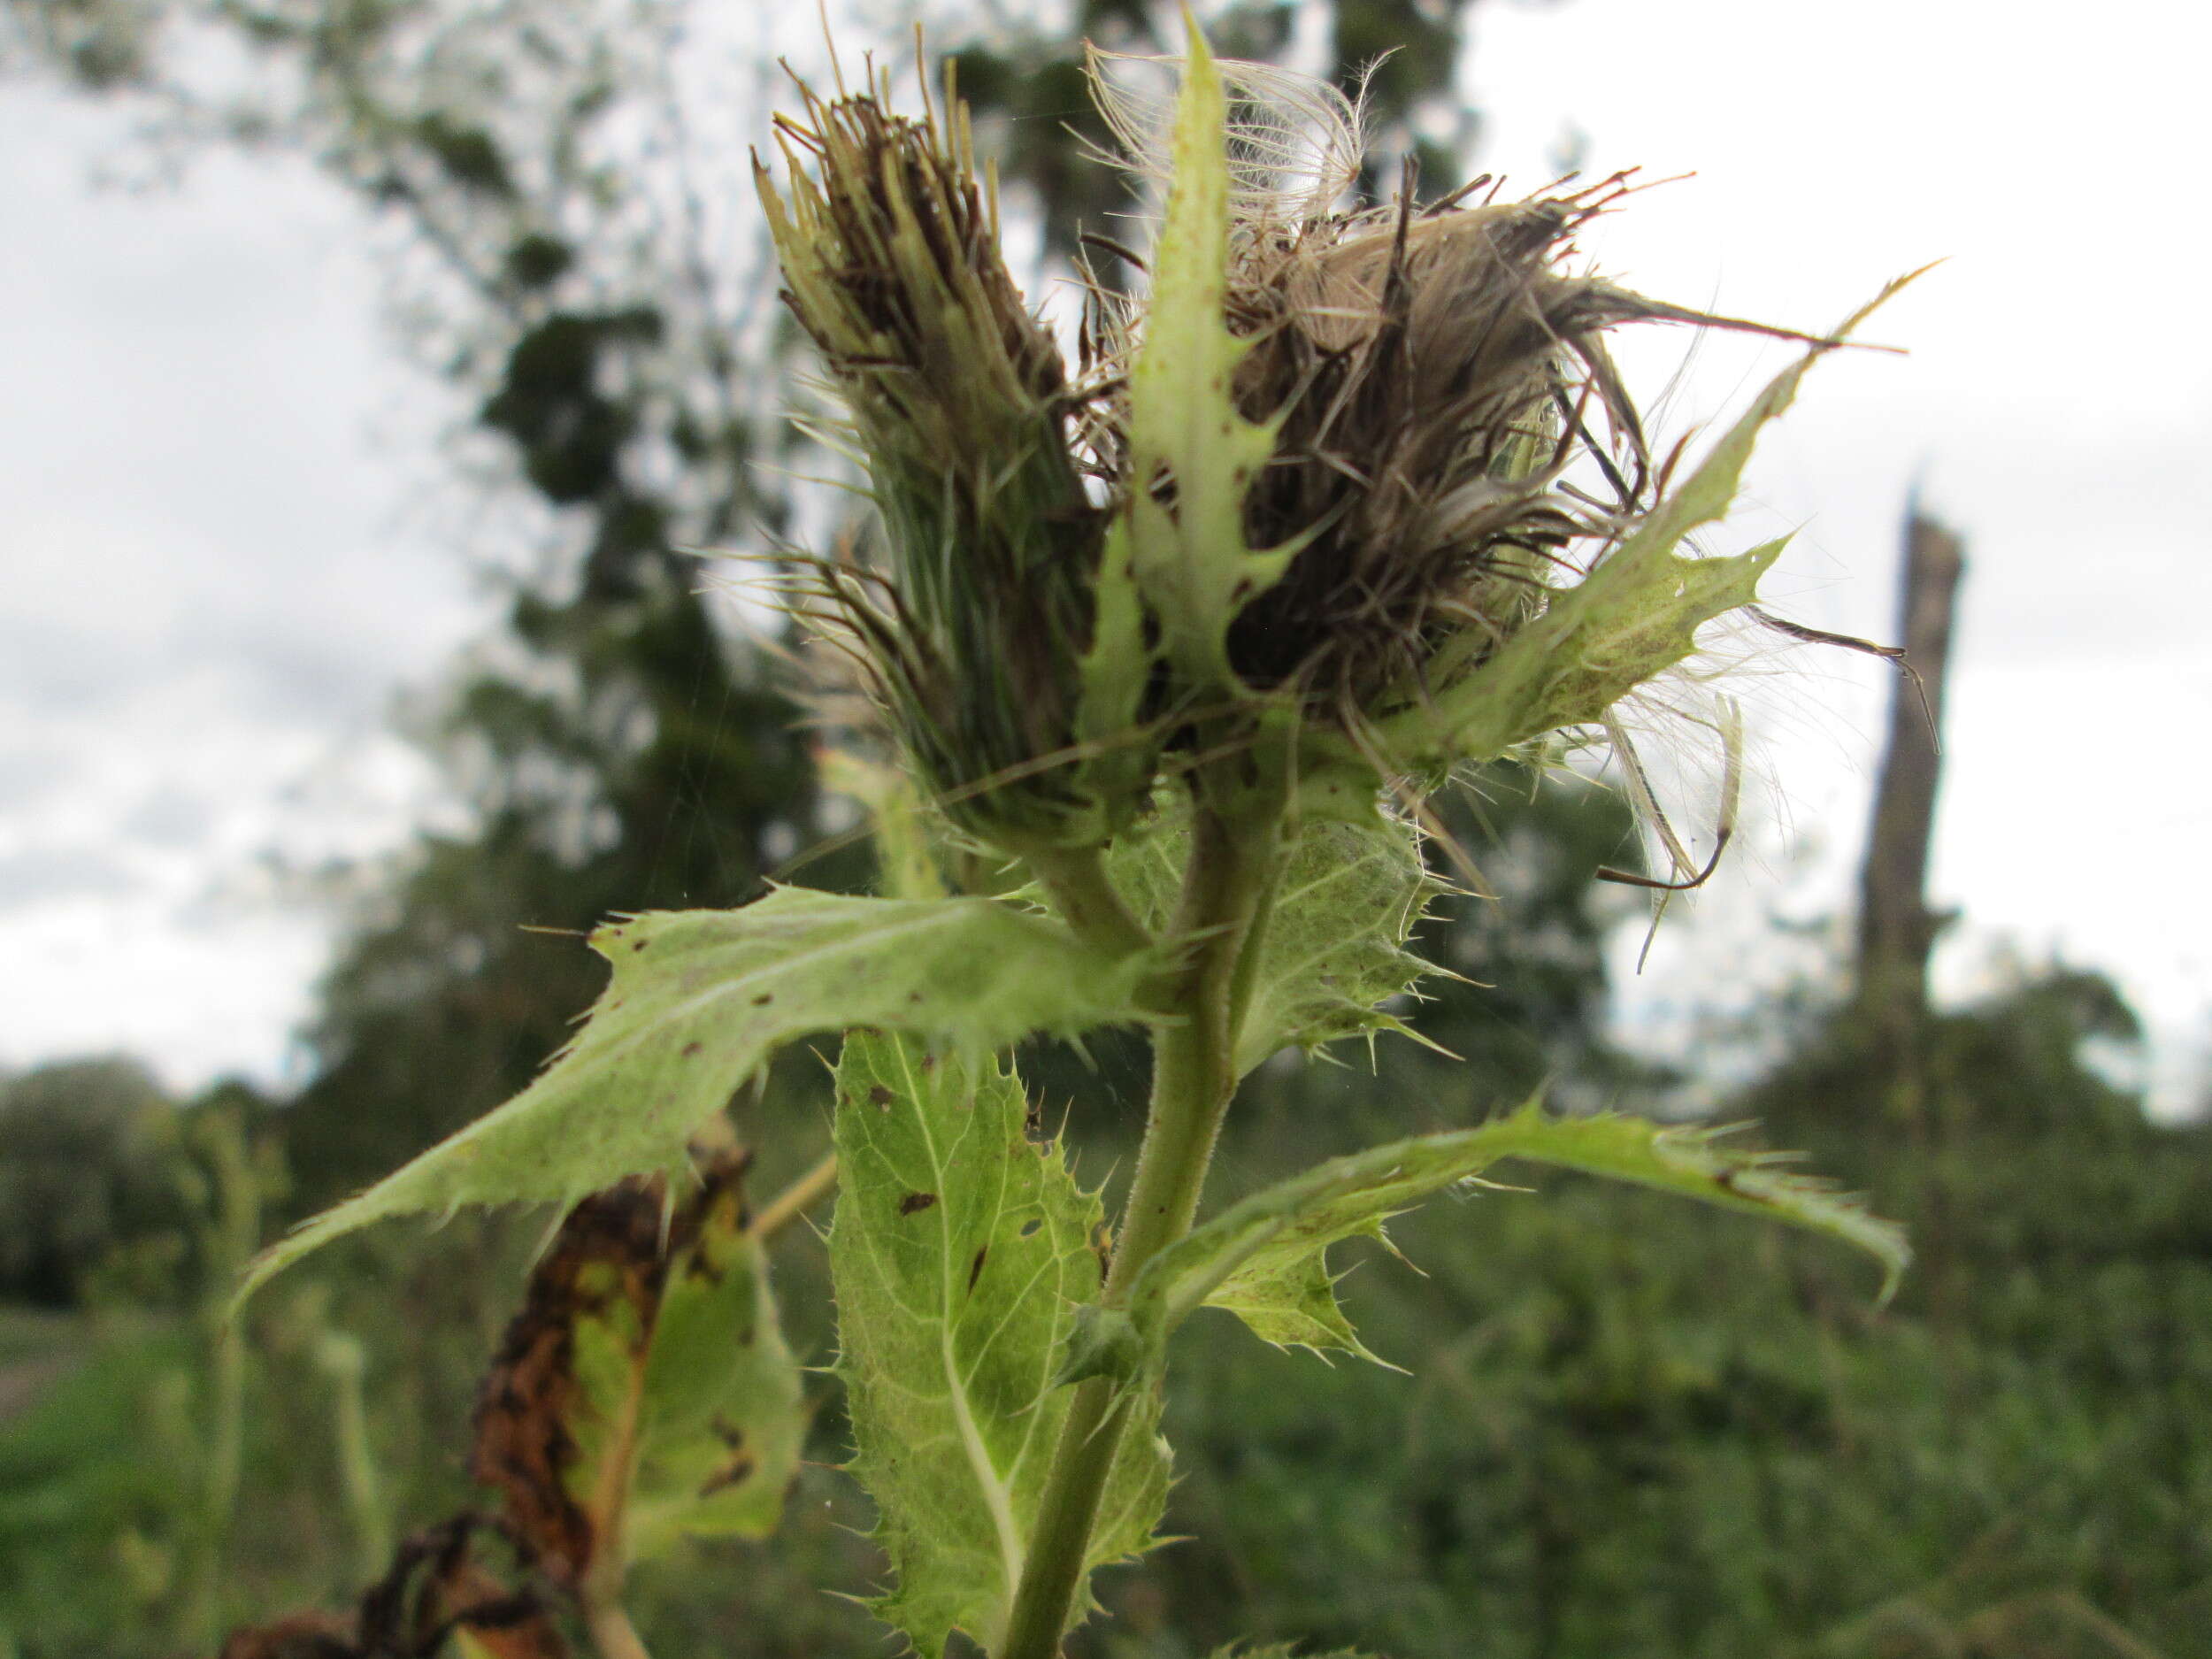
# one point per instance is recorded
(1450, 444)
(1374, 466)
(1434, 375)
(972, 631)
(1295, 144)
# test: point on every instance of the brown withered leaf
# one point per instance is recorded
(294, 1636)
(436, 1593)
(605, 1269)
(435, 1599)
(488, 1621)
(644, 1391)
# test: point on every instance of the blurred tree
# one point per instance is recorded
(86, 1148)
(1631, 1430)
(1896, 930)
(551, 254)
(573, 247)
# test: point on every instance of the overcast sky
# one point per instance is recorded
(217, 576)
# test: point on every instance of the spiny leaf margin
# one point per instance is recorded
(959, 1251)
(1633, 618)
(1273, 1231)
(1190, 559)
(1351, 892)
(698, 1001)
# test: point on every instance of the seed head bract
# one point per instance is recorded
(1370, 468)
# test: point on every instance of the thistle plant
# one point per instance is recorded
(1183, 636)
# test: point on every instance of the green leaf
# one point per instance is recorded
(1261, 1250)
(960, 1250)
(644, 1392)
(1334, 949)
(1189, 556)
(1349, 895)
(1290, 1300)
(1116, 670)
(723, 1418)
(1280, 1650)
(1633, 616)
(698, 1001)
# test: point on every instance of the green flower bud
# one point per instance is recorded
(972, 633)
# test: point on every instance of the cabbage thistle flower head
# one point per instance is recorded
(970, 631)
(1365, 476)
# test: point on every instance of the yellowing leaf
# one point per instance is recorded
(645, 1391)
(959, 1250)
(722, 1415)
(698, 1001)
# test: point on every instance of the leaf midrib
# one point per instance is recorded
(997, 1500)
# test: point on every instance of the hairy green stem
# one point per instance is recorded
(1226, 884)
(1087, 899)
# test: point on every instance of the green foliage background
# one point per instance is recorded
(1631, 1427)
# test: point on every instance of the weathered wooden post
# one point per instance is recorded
(1896, 930)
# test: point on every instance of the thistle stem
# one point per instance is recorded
(1087, 899)
(796, 1200)
(1226, 884)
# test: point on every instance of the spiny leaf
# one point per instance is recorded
(1633, 616)
(698, 1001)
(1290, 1300)
(644, 1392)
(959, 1251)
(1334, 949)
(1267, 1238)
(1116, 670)
(1188, 553)
(1350, 894)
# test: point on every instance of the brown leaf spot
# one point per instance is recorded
(975, 1268)
(729, 1475)
(881, 1097)
(691, 1048)
(914, 1203)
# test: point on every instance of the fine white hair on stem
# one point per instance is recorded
(1296, 143)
